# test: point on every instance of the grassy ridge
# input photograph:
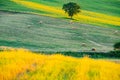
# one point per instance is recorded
(110, 7)
(88, 16)
(24, 30)
(54, 34)
(85, 16)
(8, 5)
(24, 65)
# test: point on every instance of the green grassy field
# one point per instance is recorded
(89, 14)
(57, 34)
(24, 30)
(110, 7)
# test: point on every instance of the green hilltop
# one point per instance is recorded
(110, 7)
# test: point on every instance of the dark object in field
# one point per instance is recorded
(93, 49)
(117, 46)
(71, 8)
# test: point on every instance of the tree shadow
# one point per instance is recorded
(69, 18)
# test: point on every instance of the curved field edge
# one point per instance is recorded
(25, 65)
(84, 16)
(108, 7)
(53, 34)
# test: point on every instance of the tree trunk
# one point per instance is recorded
(71, 17)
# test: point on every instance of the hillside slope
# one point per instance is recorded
(109, 7)
(88, 16)
(27, 31)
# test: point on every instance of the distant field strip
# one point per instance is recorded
(84, 16)
(25, 65)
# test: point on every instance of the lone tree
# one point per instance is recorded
(71, 8)
(117, 46)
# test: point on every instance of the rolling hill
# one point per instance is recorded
(20, 25)
(25, 31)
(41, 26)
(89, 15)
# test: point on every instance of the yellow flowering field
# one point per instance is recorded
(84, 16)
(19, 64)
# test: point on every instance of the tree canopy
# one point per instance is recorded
(117, 45)
(71, 8)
